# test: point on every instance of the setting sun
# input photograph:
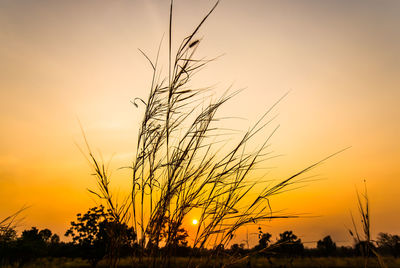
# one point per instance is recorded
(195, 222)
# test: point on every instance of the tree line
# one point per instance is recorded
(93, 237)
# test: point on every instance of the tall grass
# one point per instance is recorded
(363, 239)
(180, 167)
(9, 223)
(8, 232)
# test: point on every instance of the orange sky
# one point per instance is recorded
(61, 61)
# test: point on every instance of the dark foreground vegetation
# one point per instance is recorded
(179, 262)
(93, 234)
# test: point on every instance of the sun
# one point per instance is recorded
(195, 221)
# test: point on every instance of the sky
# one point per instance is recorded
(65, 62)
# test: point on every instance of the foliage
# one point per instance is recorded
(289, 244)
(96, 232)
(263, 239)
(38, 246)
(326, 246)
(8, 235)
(32, 244)
(180, 237)
(237, 249)
(389, 243)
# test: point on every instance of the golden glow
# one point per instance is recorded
(195, 222)
(340, 60)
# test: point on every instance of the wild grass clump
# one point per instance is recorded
(363, 240)
(180, 166)
(8, 225)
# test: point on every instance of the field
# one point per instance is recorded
(337, 262)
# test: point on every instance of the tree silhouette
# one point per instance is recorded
(33, 244)
(389, 243)
(326, 246)
(98, 236)
(7, 235)
(289, 244)
(46, 235)
(237, 249)
(263, 239)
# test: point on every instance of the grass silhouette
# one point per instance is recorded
(180, 167)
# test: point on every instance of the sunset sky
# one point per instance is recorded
(65, 62)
